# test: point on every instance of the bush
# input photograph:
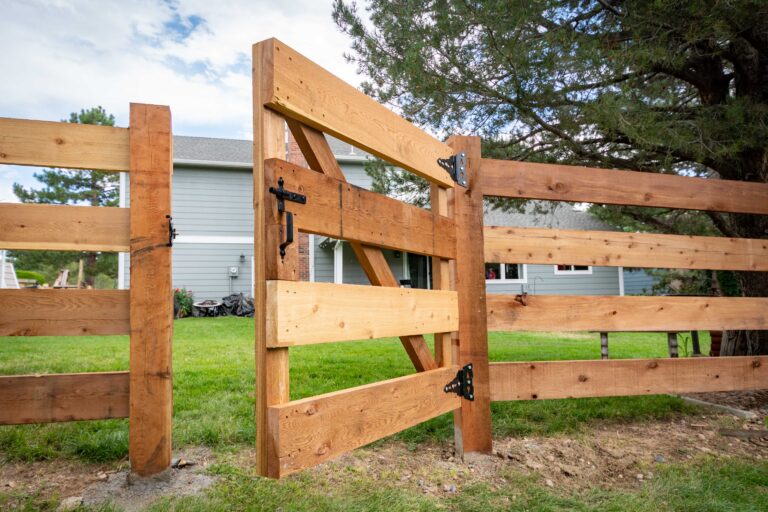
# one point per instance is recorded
(28, 274)
(182, 302)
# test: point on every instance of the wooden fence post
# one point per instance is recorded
(473, 424)
(272, 378)
(151, 296)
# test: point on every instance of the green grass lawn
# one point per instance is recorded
(213, 406)
(214, 374)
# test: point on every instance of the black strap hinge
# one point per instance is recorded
(456, 166)
(463, 384)
(283, 196)
(171, 231)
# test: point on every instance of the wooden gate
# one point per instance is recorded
(292, 435)
(143, 394)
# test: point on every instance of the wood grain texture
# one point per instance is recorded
(151, 290)
(314, 430)
(615, 314)
(341, 210)
(303, 313)
(272, 365)
(623, 377)
(441, 202)
(302, 90)
(505, 178)
(68, 145)
(63, 397)
(49, 312)
(473, 426)
(64, 228)
(320, 158)
(617, 249)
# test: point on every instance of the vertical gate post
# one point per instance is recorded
(151, 295)
(473, 424)
(272, 378)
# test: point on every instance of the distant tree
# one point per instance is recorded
(92, 188)
(674, 86)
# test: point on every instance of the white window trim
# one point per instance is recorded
(123, 256)
(573, 272)
(621, 281)
(311, 258)
(338, 262)
(522, 280)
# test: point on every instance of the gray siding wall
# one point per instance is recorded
(638, 282)
(543, 281)
(209, 203)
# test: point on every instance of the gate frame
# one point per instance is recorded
(144, 393)
(314, 102)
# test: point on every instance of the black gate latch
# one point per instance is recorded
(171, 231)
(283, 196)
(456, 166)
(463, 384)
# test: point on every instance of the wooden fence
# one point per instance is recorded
(292, 435)
(144, 393)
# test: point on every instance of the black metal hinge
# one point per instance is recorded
(283, 196)
(171, 231)
(463, 384)
(456, 166)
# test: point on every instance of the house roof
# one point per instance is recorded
(562, 216)
(236, 151)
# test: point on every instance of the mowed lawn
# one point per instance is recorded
(213, 362)
(213, 406)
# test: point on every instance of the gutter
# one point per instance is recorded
(185, 162)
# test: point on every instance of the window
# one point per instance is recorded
(505, 273)
(572, 269)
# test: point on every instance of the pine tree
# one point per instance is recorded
(672, 86)
(94, 188)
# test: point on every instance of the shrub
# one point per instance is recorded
(28, 274)
(182, 302)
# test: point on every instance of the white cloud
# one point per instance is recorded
(63, 55)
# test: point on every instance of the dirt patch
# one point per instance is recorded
(90, 484)
(619, 456)
(754, 401)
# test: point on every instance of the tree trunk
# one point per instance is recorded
(752, 284)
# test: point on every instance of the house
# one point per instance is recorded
(213, 214)
(7, 273)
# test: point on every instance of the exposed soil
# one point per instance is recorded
(617, 456)
(91, 484)
(607, 456)
(755, 401)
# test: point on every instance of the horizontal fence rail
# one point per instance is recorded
(624, 377)
(64, 228)
(617, 249)
(301, 313)
(554, 182)
(615, 314)
(313, 430)
(63, 397)
(302, 90)
(340, 210)
(51, 312)
(68, 145)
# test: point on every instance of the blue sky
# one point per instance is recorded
(59, 56)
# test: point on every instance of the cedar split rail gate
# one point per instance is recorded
(142, 394)
(292, 435)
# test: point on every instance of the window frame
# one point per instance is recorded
(520, 280)
(573, 271)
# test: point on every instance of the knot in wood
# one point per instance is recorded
(583, 378)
